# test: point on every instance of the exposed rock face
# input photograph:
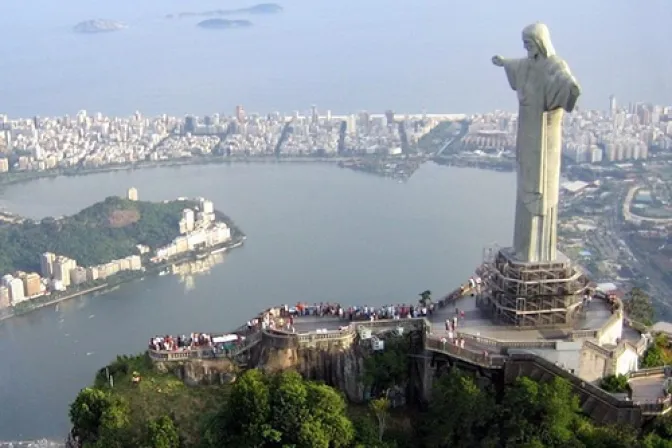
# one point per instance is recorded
(340, 367)
(201, 372)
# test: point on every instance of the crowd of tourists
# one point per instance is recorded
(359, 313)
(196, 341)
(283, 319)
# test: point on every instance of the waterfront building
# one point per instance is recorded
(16, 291)
(4, 165)
(62, 267)
(92, 273)
(181, 244)
(207, 206)
(134, 262)
(188, 218)
(47, 264)
(196, 239)
(6, 279)
(132, 194)
(4, 297)
(78, 275)
(32, 284)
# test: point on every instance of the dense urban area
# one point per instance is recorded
(616, 163)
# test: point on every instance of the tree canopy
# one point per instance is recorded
(638, 306)
(100, 233)
(281, 410)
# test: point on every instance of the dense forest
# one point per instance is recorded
(105, 231)
(283, 410)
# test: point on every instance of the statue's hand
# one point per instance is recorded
(498, 61)
(575, 90)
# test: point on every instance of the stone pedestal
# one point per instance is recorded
(533, 294)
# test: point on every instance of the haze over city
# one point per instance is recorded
(345, 56)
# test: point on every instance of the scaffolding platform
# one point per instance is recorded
(531, 294)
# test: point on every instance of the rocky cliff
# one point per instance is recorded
(201, 371)
(336, 365)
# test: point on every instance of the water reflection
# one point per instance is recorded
(188, 271)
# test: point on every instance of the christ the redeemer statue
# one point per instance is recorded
(545, 88)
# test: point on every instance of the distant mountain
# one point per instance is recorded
(98, 26)
(259, 9)
(224, 24)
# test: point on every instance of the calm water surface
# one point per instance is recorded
(315, 233)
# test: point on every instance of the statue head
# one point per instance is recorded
(537, 41)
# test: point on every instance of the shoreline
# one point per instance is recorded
(237, 240)
(15, 178)
(26, 176)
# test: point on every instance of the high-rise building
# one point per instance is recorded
(47, 264)
(32, 284)
(240, 114)
(612, 105)
(78, 275)
(207, 206)
(313, 114)
(189, 124)
(16, 292)
(389, 117)
(132, 194)
(188, 218)
(62, 268)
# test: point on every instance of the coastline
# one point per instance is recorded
(15, 178)
(237, 240)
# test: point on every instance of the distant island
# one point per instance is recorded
(224, 24)
(262, 8)
(98, 26)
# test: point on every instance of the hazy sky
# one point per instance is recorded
(344, 55)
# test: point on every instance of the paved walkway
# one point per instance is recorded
(647, 389)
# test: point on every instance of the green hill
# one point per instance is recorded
(102, 232)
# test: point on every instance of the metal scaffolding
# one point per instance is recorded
(531, 294)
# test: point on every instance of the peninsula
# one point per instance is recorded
(109, 243)
(98, 26)
(224, 24)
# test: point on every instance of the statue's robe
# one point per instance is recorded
(545, 88)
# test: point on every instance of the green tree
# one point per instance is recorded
(282, 410)
(161, 433)
(460, 415)
(607, 436)
(638, 306)
(387, 368)
(658, 354)
(425, 298)
(244, 419)
(535, 414)
(615, 383)
(97, 416)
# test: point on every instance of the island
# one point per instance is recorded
(98, 26)
(224, 24)
(109, 243)
(259, 9)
